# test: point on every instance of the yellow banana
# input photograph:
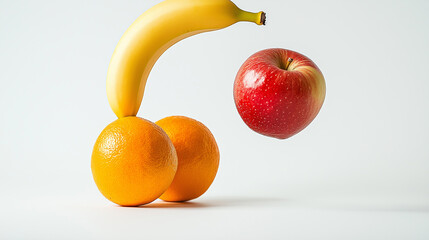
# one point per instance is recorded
(152, 34)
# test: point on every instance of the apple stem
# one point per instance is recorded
(289, 61)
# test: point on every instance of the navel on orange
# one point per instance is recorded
(133, 161)
(198, 158)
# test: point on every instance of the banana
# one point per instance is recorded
(152, 34)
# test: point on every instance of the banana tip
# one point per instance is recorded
(263, 18)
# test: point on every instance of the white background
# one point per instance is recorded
(359, 171)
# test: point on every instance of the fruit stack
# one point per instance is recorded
(134, 160)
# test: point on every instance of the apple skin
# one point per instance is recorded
(276, 102)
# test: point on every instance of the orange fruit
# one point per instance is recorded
(133, 161)
(198, 158)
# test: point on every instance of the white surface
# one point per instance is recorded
(243, 217)
(359, 171)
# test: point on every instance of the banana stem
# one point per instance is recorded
(258, 18)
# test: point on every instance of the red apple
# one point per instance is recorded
(278, 92)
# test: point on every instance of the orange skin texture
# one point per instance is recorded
(133, 161)
(198, 158)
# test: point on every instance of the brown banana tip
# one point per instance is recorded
(263, 18)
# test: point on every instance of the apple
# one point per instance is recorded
(278, 92)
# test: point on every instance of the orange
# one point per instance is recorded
(198, 158)
(133, 161)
